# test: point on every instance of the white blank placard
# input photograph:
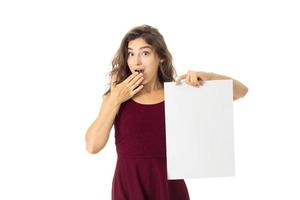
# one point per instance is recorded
(199, 129)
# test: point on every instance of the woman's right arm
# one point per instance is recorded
(98, 133)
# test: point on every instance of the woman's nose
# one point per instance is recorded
(138, 60)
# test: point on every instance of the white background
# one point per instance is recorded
(54, 58)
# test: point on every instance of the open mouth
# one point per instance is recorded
(139, 70)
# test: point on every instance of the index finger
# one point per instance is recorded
(129, 78)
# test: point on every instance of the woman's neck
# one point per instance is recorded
(152, 87)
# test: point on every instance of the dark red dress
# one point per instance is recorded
(141, 168)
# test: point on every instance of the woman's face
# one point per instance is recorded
(143, 58)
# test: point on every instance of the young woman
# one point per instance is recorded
(134, 103)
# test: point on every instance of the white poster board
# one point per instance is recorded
(199, 129)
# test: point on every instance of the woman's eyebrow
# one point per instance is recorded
(143, 47)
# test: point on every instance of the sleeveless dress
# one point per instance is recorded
(141, 168)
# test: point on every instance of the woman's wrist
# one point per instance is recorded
(210, 75)
(205, 76)
(112, 101)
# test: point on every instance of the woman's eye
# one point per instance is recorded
(145, 53)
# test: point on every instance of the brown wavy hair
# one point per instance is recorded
(151, 35)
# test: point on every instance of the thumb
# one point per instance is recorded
(113, 81)
(179, 78)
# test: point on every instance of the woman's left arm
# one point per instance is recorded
(196, 79)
